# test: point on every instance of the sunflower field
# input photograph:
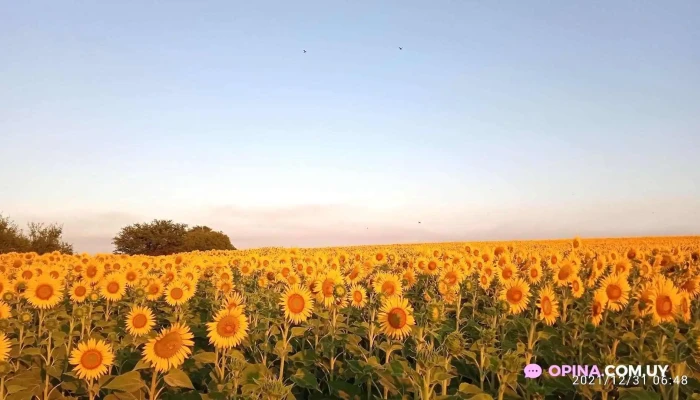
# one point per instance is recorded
(431, 321)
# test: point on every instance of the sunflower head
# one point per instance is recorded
(228, 329)
(396, 317)
(170, 348)
(297, 304)
(91, 359)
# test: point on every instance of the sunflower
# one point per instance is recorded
(647, 270)
(291, 279)
(516, 292)
(154, 290)
(432, 267)
(170, 348)
(564, 272)
(642, 306)
(387, 285)
(684, 307)
(113, 287)
(380, 257)
(598, 305)
(554, 259)
(691, 286)
(246, 268)
(665, 300)
(91, 359)
(534, 273)
(548, 305)
(224, 286)
(297, 304)
(577, 288)
(354, 274)
(632, 253)
(132, 275)
(622, 267)
(140, 321)
(178, 293)
(408, 278)
(358, 296)
(234, 300)
(396, 317)
(600, 266)
(576, 243)
(422, 265)
(452, 275)
(616, 289)
(4, 285)
(5, 347)
(27, 273)
(43, 292)
(506, 272)
(325, 286)
(229, 328)
(79, 292)
(190, 272)
(5, 310)
(485, 281)
(93, 273)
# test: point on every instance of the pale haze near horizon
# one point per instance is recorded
(497, 120)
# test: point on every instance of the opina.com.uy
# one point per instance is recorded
(621, 371)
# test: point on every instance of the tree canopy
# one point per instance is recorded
(162, 237)
(40, 238)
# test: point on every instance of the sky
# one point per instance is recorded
(497, 120)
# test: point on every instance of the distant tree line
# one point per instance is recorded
(157, 238)
(162, 237)
(39, 238)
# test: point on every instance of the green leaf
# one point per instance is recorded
(252, 373)
(177, 378)
(141, 365)
(206, 357)
(298, 331)
(629, 337)
(442, 376)
(345, 390)
(14, 388)
(304, 379)
(128, 382)
(469, 388)
(31, 351)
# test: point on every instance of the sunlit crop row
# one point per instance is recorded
(451, 320)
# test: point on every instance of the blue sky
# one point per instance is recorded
(497, 120)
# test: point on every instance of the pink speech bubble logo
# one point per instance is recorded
(533, 371)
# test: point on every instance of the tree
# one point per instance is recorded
(41, 238)
(47, 238)
(204, 238)
(157, 238)
(11, 237)
(162, 237)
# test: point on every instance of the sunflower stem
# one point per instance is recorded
(48, 364)
(285, 341)
(152, 394)
(41, 322)
(91, 390)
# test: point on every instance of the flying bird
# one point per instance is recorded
(304, 51)
(419, 222)
(400, 48)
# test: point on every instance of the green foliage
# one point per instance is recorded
(40, 238)
(163, 237)
(203, 238)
